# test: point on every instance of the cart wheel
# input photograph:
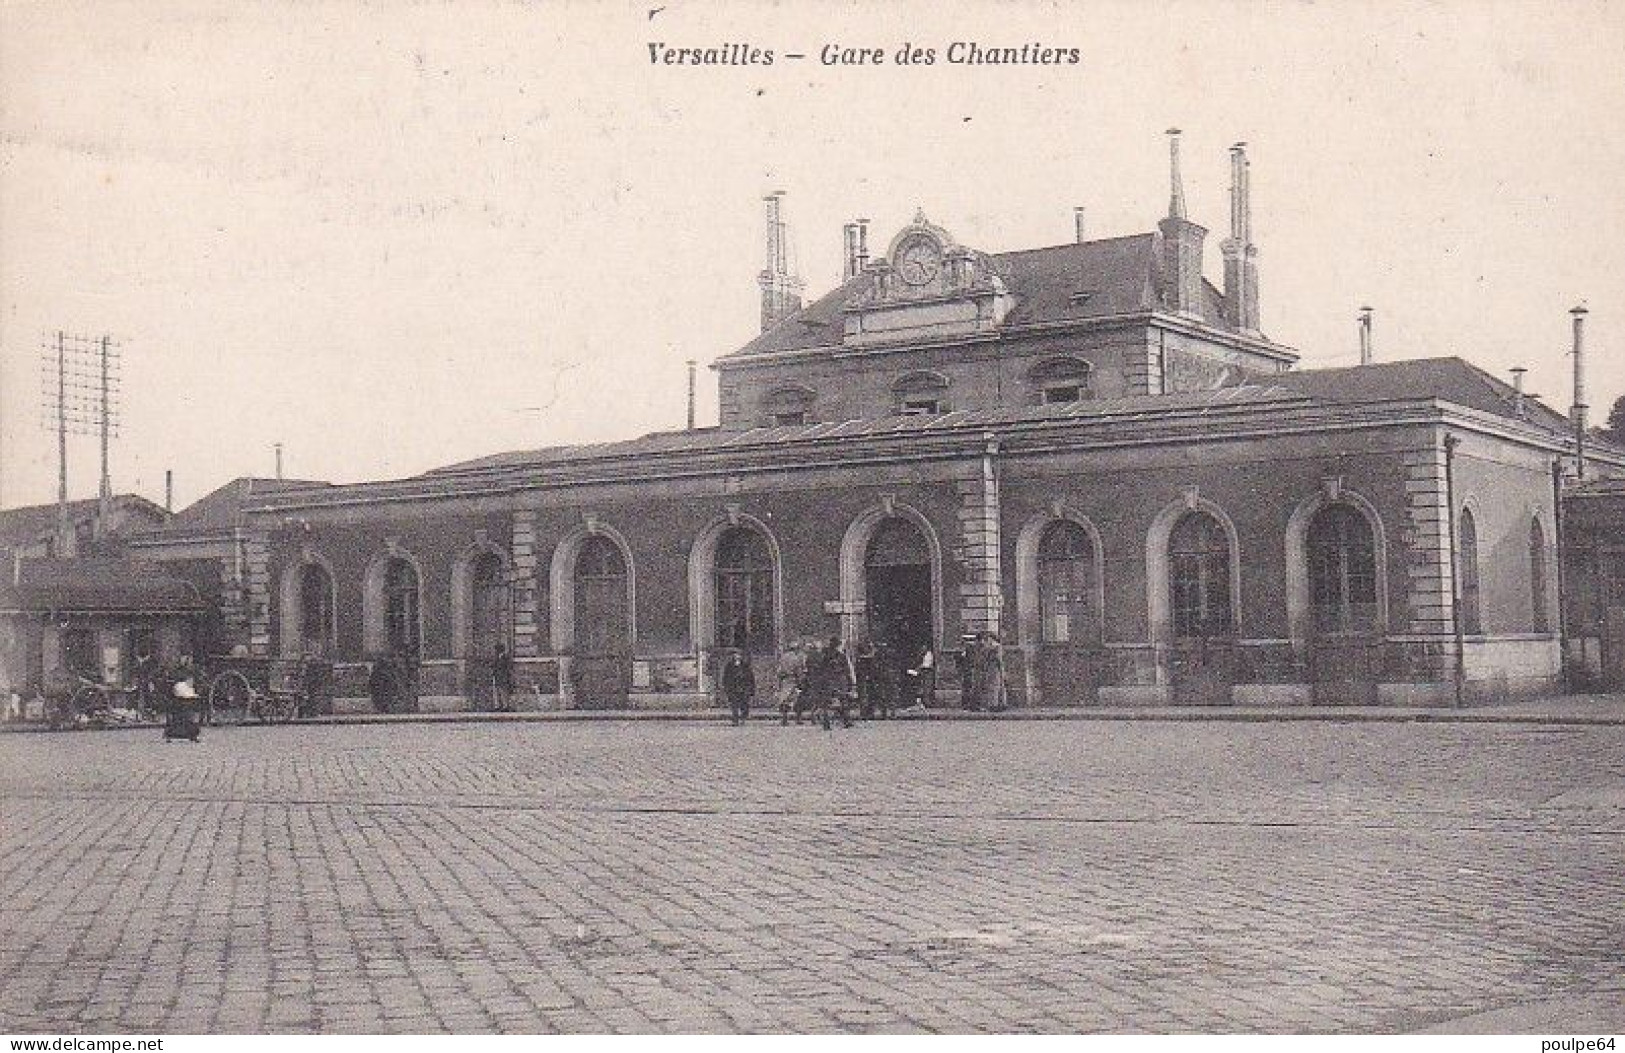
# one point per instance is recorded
(270, 709)
(231, 699)
(284, 708)
(86, 700)
(59, 712)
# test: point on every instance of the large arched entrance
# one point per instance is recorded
(898, 588)
(315, 610)
(745, 616)
(394, 680)
(602, 667)
(1068, 630)
(487, 624)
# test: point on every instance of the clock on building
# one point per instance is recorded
(918, 260)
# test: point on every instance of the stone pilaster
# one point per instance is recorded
(234, 596)
(526, 623)
(1428, 563)
(257, 571)
(981, 586)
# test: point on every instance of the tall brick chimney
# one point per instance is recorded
(1240, 254)
(1181, 242)
(781, 290)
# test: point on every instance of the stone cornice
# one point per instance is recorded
(1131, 319)
(1289, 417)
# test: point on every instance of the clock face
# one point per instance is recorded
(918, 260)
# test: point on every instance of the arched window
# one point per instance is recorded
(1058, 380)
(601, 602)
(1342, 570)
(1540, 620)
(1066, 584)
(488, 607)
(744, 584)
(1472, 621)
(787, 406)
(401, 607)
(921, 393)
(315, 610)
(1199, 576)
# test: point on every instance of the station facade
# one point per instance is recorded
(1087, 449)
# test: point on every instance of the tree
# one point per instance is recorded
(1614, 431)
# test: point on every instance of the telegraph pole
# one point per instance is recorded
(104, 509)
(64, 533)
(79, 382)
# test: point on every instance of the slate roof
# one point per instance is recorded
(1445, 379)
(1449, 379)
(702, 440)
(1061, 283)
(96, 585)
(29, 522)
(220, 510)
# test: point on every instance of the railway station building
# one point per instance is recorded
(1088, 449)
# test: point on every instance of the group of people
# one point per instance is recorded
(154, 687)
(823, 682)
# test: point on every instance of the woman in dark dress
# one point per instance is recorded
(181, 719)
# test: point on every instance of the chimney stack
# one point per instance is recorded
(169, 490)
(1077, 224)
(691, 366)
(1579, 410)
(1176, 182)
(781, 290)
(856, 234)
(1366, 356)
(1240, 254)
(1181, 242)
(1517, 389)
(279, 461)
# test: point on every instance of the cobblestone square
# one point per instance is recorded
(673, 877)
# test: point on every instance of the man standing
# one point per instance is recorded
(835, 684)
(502, 679)
(739, 685)
(987, 674)
(794, 666)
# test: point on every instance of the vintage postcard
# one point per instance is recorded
(777, 518)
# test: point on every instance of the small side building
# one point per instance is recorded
(91, 616)
(1594, 580)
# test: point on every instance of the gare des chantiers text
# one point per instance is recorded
(958, 53)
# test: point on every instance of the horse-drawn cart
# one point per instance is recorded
(265, 690)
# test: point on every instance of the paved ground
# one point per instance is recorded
(1053, 876)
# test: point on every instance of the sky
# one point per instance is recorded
(396, 235)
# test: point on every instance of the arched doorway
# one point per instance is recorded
(306, 610)
(1193, 588)
(487, 624)
(1067, 586)
(1345, 645)
(897, 588)
(315, 611)
(602, 667)
(744, 615)
(394, 680)
(488, 607)
(1068, 632)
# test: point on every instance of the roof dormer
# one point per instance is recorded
(926, 287)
